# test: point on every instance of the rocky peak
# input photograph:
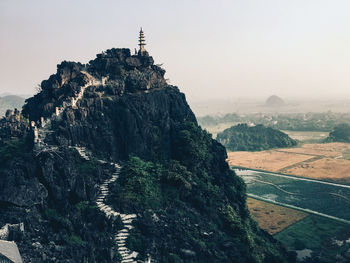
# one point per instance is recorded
(126, 72)
(113, 72)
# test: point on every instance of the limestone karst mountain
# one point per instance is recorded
(241, 137)
(108, 164)
(274, 101)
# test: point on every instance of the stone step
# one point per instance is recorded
(120, 238)
(128, 216)
(128, 260)
(106, 209)
(124, 253)
(122, 235)
(132, 255)
(127, 222)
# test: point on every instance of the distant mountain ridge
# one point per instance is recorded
(10, 102)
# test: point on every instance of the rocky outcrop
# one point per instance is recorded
(13, 125)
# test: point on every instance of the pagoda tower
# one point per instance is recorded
(142, 42)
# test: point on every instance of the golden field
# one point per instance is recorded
(273, 218)
(328, 161)
(271, 160)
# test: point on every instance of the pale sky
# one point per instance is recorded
(210, 49)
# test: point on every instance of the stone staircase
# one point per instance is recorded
(44, 128)
(120, 237)
(40, 143)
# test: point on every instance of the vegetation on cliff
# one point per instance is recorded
(256, 138)
(193, 207)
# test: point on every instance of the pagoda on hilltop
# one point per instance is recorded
(142, 43)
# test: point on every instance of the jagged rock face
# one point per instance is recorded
(132, 111)
(132, 124)
(20, 185)
(123, 73)
(13, 125)
(50, 194)
(128, 73)
(65, 83)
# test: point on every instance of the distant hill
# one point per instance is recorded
(274, 101)
(10, 102)
(257, 138)
(340, 133)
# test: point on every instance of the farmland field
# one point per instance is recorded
(273, 218)
(325, 168)
(307, 136)
(318, 226)
(328, 161)
(333, 149)
(327, 239)
(314, 196)
(318, 237)
(271, 160)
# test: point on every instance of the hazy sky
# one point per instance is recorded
(210, 49)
